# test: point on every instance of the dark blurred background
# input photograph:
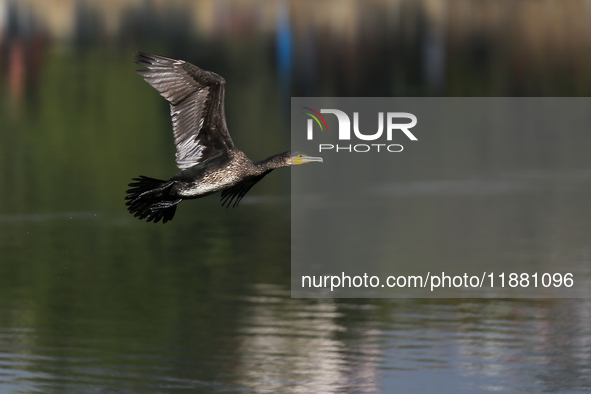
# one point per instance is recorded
(93, 300)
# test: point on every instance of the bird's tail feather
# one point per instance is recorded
(150, 199)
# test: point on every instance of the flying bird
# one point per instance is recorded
(205, 154)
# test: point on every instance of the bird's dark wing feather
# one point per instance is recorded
(196, 100)
(232, 195)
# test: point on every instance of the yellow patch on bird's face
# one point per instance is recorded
(298, 160)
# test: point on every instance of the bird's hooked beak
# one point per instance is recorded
(303, 159)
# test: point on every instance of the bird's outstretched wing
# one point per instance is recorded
(196, 100)
(233, 195)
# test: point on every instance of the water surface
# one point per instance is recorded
(93, 300)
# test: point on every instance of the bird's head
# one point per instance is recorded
(297, 158)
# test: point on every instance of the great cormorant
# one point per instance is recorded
(205, 153)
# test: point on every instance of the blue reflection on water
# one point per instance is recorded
(284, 43)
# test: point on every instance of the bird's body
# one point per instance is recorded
(219, 174)
(206, 155)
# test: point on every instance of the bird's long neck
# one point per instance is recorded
(271, 163)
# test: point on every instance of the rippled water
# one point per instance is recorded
(276, 344)
(95, 301)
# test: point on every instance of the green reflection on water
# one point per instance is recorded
(88, 278)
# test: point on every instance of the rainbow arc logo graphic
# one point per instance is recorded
(315, 116)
